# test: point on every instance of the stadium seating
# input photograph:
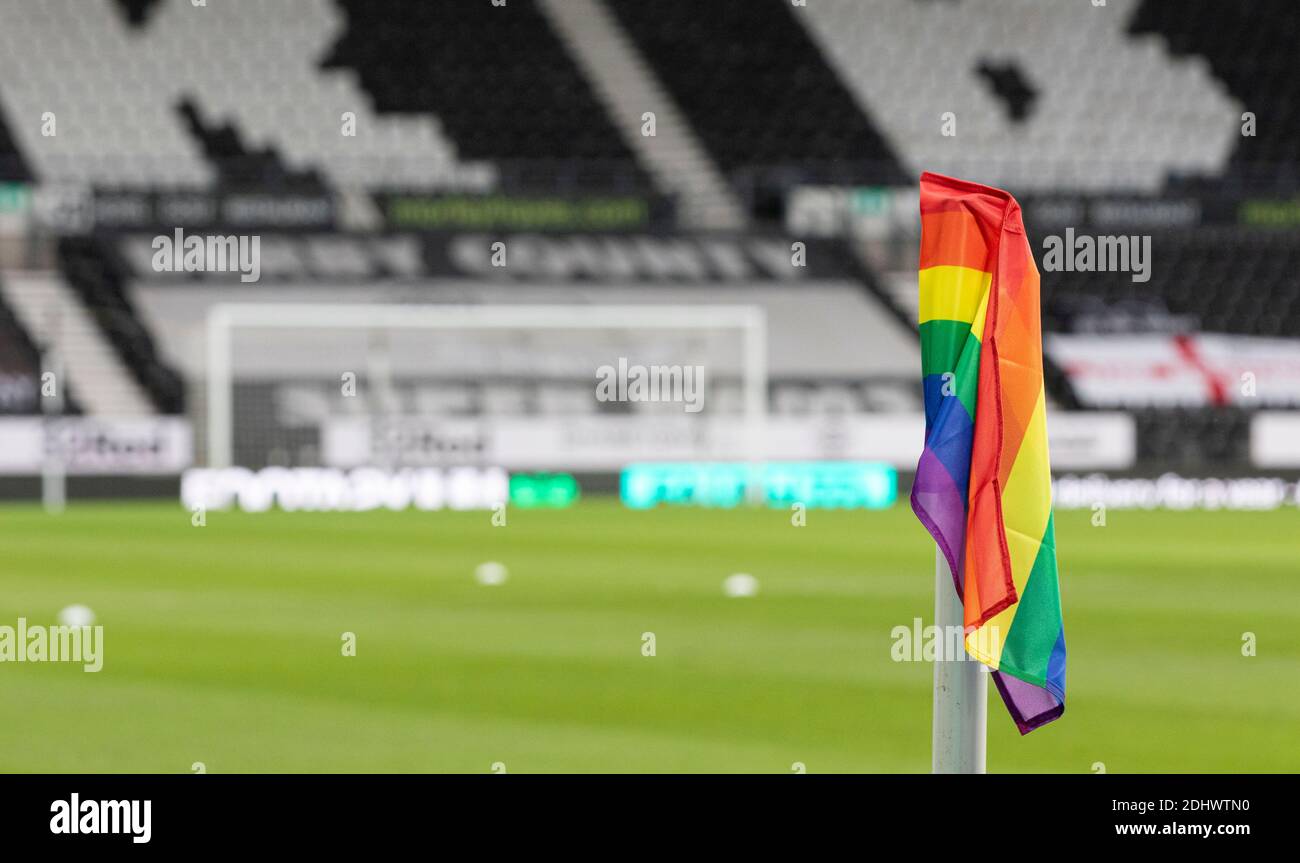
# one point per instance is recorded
(765, 103)
(1189, 439)
(115, 89)
(837, 90)
(251, 94)
(1223, 280)
(499, 81)
(1251, 48)
(237, 167)
(1088, 128)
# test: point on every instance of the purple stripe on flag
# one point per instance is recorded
(1030, 706)
(941, 507)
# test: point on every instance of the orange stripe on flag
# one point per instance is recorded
(953, 239)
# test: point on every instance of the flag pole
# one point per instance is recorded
(960, 689)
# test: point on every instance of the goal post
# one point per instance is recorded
(225, 320)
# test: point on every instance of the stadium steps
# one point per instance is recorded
(627, 87)
(20, 359)
(52, 313)
(92, 270)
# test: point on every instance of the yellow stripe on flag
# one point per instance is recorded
(1027, 498)
(1026, 507)
(952, 293)
(981, 314)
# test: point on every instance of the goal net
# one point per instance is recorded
(523, 388)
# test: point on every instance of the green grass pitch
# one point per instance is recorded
(223, 643)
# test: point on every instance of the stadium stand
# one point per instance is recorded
(766, 105)
(1138, 98)
(237, 167)
(450, 60)
(1223, 280)
(1193, 439)
(115, 90)
(631, 93)
(910, 64)
(1256, 62)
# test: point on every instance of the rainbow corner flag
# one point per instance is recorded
(983, 487)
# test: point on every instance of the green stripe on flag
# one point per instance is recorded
(1037, 623)
(949, 346)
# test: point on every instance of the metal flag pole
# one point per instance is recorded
(960, 689)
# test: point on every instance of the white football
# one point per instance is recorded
(740, 584)
(490, 573)
(76, 615)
